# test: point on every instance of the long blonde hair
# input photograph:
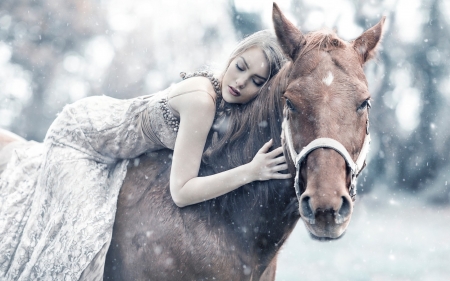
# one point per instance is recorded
(238, 123)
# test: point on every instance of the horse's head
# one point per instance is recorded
(326, 115)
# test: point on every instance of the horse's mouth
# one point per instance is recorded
(325, 239)
(325, 228)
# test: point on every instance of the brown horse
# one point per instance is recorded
(237, 236)
(323, 100)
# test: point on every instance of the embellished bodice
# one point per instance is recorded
(162, 125)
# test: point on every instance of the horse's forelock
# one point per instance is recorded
(324, 39)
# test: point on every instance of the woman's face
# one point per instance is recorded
(245, 76)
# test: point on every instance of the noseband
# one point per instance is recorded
(355, 167)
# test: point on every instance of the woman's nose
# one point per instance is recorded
(240, 83)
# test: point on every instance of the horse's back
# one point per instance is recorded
(153, 239)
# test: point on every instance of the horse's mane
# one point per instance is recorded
(268, 119)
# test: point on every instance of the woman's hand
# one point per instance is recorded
(266, 165)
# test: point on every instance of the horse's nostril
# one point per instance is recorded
(307, 211)
(343, 212)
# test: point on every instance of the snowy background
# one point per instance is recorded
(55, 52)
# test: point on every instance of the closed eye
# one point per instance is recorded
(238, 67)
(258, 83)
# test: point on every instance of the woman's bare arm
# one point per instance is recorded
(197, 112)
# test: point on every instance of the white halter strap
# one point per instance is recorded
(355, 167)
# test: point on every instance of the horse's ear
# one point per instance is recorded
(289, 37)
(366, 44)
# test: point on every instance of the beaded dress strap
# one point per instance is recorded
(214, 81)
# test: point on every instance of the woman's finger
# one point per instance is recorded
(279, 160)
(279, 176)
(275, 152)
(265, 147)
(278, 168)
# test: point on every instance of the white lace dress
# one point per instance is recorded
(58, 199)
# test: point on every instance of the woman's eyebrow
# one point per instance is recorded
(259, 76)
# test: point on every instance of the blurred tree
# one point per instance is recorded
(245, 23)
(66, 50)
(412, 160)
(40, 33)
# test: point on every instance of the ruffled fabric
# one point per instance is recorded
(58, 199)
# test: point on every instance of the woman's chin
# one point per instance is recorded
(228, 98)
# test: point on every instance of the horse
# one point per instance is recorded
(322, 123)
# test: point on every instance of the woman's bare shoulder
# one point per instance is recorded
(193, 85)
(194, 95)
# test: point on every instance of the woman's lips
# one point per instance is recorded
(234, 91)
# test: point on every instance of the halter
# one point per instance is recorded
(355, 167)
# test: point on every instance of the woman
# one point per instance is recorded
(57, 213)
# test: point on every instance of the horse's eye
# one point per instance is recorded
(365, 104)
(290, 105)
